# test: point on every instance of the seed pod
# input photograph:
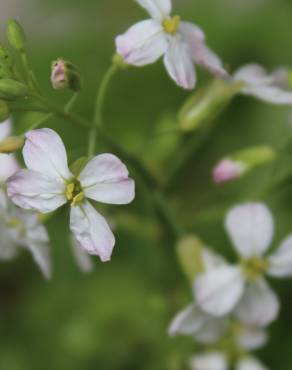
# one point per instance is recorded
(11, 89)
(4, 111)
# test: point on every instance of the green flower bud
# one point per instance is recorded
(4, 111)
(16, 35)
(206, 104)
(189, 250)
(11, 144)
(241, 162)
(5, 58)
(11, 89)
(65, 75)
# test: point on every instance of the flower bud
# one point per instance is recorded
(189, 251)
(4, 111)
(11, 89)
(11, 144)
(241, 162)
(5, 58)
(65, 75)
(206, 104)
(16, 35)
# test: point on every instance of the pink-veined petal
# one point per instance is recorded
(156, 8)
(178, 63)
(92, 231)
(143, 43)
(218, 291)
(280, 262)
(259, 305)
(251, 228)
(44, 152)
(5, 129)
(8, 166)
(209, 361)
(31, 190)
(106, 179)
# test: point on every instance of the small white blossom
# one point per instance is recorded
(81, 257)
(21, 228)
(181, 43)
(242, 287)
(263, 86)
(48, 184)
(8, 162)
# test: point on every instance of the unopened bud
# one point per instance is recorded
(11, 89)
(16, 35)
(4, 111)
(241, 162)
(5, 58)
(11, 144)
(189, 251)
(65, 75)
(206, 104)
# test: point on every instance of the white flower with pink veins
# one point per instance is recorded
(182, 44)
(48, 184)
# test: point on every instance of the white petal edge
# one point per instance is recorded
(250, 227)
(269, 94)
(156, 8)
(44, 152)
(179, 65)
(280, 262)
(250, 363)
(218, 291)
(259, 306)
(251, 337)
(143, 44)
(252, 74)
(209, 361)
(92, 231)
(5, 129)
(8, 249)
(106, 179)
(31, 190)
(42, 257)
(81, 257)
(8, 166)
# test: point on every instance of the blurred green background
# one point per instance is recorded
(116, 318)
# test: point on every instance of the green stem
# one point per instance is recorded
(98, 120)
(68, 107)
(30, 77)
(41, 121)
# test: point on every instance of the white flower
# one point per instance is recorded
(181, 44)
(21, 228)
(218, 361)
(8, 162)
(48, 184)
(81, 257)
(242, 287)
(259, 84)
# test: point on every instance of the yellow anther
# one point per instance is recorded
(78, 199)
(171, 25)
(14, 223)
(70, 191)
(254, 268)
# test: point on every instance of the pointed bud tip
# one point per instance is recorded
(227, 170)
(16, 35)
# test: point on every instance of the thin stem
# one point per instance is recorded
(30, 77)
(98, 120)
(41, 121)
(68, 107)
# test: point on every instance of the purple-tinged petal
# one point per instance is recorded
(143, 43)
(158, 9)
(31, 190)
(269, 94)
(106, 179)
(179, 65)
(92, 231)
(44, 152)
(8, 166)
(228, 170)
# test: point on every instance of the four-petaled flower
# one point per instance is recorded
(48, 184)
(181, 43)
(258, 83)
(242, 288)
(8, 162)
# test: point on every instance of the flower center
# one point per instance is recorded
(74, 193)
(254, 268)
(171, 25)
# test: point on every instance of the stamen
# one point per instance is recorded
(74, 193)
(171, 25)
(254, 268)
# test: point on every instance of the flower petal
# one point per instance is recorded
(31, 190)
(5, 129)
(269, 94)
(82, 258)
(218, 291)
(42, 257)
(251, 338)
(106, 179)
(259, 305)
(8, 166)
(211, 259)
(156, 8)
(8, 249)
(252, 74)
(280, 263)
(251, 228)
(201, 54)
(188, 321)
(212, 330)
(143, 43)
(178, 63)
(209, 361)
(92, 231)
(250, 363)
(44, 152)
